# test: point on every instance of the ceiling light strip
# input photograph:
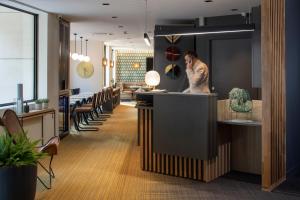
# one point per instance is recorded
(206, 33)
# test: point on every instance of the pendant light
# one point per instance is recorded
(146, 37)
(75, 54)
(111, 64)
(104, 60)
(81, 56)
(86, 58)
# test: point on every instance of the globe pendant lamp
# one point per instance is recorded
(75, 54)
(86, 58)
(81, 57)
(152, 78)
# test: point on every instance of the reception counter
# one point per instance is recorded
(178, 136)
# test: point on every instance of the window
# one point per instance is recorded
(17, 54)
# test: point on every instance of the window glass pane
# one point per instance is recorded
(16, 54)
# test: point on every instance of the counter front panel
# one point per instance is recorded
(185, 125)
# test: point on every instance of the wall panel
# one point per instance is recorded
(273, 93)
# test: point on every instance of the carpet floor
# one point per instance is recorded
(106, 165)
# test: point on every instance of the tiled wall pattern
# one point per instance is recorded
(125, 72)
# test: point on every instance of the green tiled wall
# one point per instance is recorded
(124, 70)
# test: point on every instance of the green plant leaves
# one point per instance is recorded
(18, 150)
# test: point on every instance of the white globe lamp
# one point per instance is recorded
(152, 78)
(80, 57)
(75, 56)
(86, 59)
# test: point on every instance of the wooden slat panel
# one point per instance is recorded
(142, 149)
(176, 166)
(163, 163)
(172, 165)
(199, 171)
(150, 141)
(273, 93)
(167, 164)
(147, 141)
(185, 167)
(194, 169)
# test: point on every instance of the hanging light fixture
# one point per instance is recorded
(104, 60)
(136, 65)
(146, 37)
(81, 56)
(111, 60)
(86, 58)
(75, 54)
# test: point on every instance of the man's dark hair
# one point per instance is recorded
(191, 54)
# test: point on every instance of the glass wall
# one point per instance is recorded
(17, 54)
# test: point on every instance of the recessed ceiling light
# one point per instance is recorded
(208, 1)
(114, 17)
(105, 4)
(234, 9)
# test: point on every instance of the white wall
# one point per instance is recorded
(53, 66)
(94, 83)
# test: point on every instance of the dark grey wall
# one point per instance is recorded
(231, 68)
(256, 48)
(293, 84)
(160, 62)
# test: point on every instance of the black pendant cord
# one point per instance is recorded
(75, 41)
(81, 44)
(86, 41)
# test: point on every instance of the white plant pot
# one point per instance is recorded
(45, 105)
(38, 106)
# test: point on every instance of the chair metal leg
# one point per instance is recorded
(49, 172)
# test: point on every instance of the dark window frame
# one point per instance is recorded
(35, 55)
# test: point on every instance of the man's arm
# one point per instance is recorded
(198, 75)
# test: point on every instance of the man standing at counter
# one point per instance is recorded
(197, 73)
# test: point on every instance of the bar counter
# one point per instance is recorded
(178, 136)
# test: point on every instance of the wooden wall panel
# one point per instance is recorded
(273, 93)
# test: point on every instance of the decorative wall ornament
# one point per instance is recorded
(240, 100)
(173, 39)
(172, 71)
(172, 53)
(85, 69)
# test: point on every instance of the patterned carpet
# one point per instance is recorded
(105, 165)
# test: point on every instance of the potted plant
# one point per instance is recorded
(18, 167)
(45, 103)
(38, 104)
